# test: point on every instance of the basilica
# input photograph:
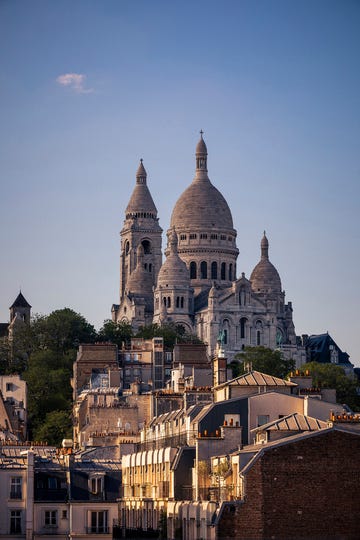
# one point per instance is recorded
(197, 286)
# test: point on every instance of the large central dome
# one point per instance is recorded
(204, 227)
(201, 206)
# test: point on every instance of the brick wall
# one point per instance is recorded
(306, 489)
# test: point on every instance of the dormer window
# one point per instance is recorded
(96, 484)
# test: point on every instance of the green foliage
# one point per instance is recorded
(171, 333)
(48, 378)
(115, 332)
(55, 427)
(5, 357)
(264, 360)
(333, 376)
(51, 341)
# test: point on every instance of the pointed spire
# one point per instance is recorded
(201, 154)
(264, 247)
(141, 203)
(20, 301)
(141, 174)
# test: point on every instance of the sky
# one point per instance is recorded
(88, 88)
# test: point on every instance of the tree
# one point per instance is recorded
(51, 342)
(333, 376)
(264, 360)
(48, 378)
(171, 333)
(55, 428)
(116, 332)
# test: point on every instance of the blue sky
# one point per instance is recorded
(88, 88)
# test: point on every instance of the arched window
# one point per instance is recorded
(193, 274)
(203, 270)
(178, 301)
(214, 270)
(223, 271)
(147, 246)
(150, 267)
(225, 330)
(225, 336)
(230, 272)
(168, 301)
(242, 296)
(164, 300)
(127, 248)
(243, 322)
(259, 328)
(182, 302)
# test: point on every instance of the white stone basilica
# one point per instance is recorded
(197, 285)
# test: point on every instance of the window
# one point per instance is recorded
(223, 237)
(214, 270)
(223, 271)
(203, 235)
(214, 236)
(225, 336)
(15, 522)
(230, 272)
(64, 514)
(262, 419)
(16, 487)
(193, 270)
(9, 387)
(50, 518)
(98, 522)
(147, 246)
(203, 270)
(192, 236)
(96, 485)
(243, 322)
(182, 236)
(52, 482)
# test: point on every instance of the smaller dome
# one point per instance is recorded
(265, 278)
(201, 146)
(174, 271)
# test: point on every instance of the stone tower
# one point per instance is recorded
(204, 226)
(20, 309)
(140, 255)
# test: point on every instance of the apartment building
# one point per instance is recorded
(46, 493)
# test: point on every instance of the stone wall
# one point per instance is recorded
(304, 489)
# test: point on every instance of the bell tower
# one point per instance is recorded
(141, 228)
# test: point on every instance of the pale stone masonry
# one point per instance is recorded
(197, 285)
